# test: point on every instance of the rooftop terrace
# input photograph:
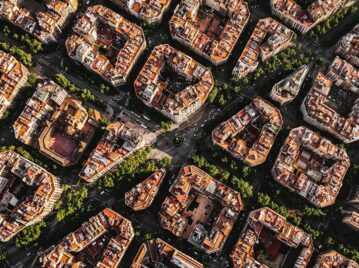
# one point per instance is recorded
(318, 108)
(13, 76)
(272, 229)
(56, 123)
(250, 134)
(154, 88)
(200, 209)
(157, 253)
(311, 166)
(99, 242)
(106, 44)
(210, 28)
(16, 215)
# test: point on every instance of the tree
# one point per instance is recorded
(166, 125)
(212, 95)
(311, 211)
(224, 176)
(263, 199)
(29, 234)
(72, 201)
(165, 162)
(2, 256)
(244, 187)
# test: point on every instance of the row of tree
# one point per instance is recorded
(72, 200)
(239, 184)
(31, 43)
(18, 53)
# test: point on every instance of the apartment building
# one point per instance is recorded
(268, 39)
(118, 142)
(45, 25)
(301, 19)
(13, 76)
(344, 75)
(311, 166)
(250, 134)
(157, 253)
(59, 125)
(318, 111)
(259, 222)
(190, 205)
(19, 212)
(150, 11)
(173, 83)
(348, 46)
(351, 219)
(333, 259)
(288, 88)
(105, 43)
(211, 28)
(142, 195)
(101, 241)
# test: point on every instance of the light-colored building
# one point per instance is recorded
(16, 215)
(288, 88)
(46, 25)
(332, 259)
(238, 137)
(351, 219)
(303, 166)
(13, 76)
(150, 11)
(142, 195)
(348, 46)
(106, 43)
(257, 222)
(157, 253)
(211, 28)
(189, 206)
(56, 123)
(301, 19)
(118, 142)
(157, 92)
(318, 111)
(268, 39)
(102, 241)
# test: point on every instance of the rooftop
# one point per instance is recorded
(274, 231)
(320, 110)
(105, 237)
(351, 218)
(156, 252)
(210, 28)
(311, 166)
(348, 46)
(250, 134)
(177, 102)
(142, 195)
(118, 142)
(288, 88)
(305, 19)
(150, 11)
(332, 259)
(18, 212)
(56, 123)
(268, 38)
(13, 75)
(106, 43)
(200, 209)
(46, 25)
